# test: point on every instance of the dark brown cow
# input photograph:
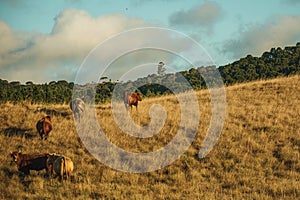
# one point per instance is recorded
(50, 160)
(132, 99)
(27, 162)
(44, 127)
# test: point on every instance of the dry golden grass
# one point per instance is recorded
(256, 157)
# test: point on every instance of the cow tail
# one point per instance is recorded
(62, 166)
(66, 168)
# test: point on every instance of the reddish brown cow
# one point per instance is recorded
(44, 127)
(27, 162)
(132, 99)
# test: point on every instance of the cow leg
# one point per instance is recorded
(41, 134)
(26, 171)
(49, 170)
(62, 166)
(76, 116)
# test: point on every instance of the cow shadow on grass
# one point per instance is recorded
(24, 180)
(7, 172)
(53, 112)
(27, 179)
(22, 177)
(22, 132)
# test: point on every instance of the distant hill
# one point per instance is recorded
(277, 62)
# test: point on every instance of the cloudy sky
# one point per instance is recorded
(46, 40)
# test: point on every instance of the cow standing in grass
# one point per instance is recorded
(61, 165)
(44, 127)
(78, 107)
(27, 162)
(132, 99)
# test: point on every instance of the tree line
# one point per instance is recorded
(274, 63)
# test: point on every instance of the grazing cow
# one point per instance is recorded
(78, 107)
(50, 160)
(61, 165)
(44, 127)
(27, 162)
(132, 99)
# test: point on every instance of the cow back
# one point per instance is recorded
(47, 125)
(37, 164)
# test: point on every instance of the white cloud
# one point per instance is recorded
(279, 32)
(44, 57)
(203, 15)
(8, 39)
(41, 58)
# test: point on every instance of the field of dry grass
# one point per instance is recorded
(256, 157)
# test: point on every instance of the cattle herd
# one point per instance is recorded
(60, 164)
(54, 163)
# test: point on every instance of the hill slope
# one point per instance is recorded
(256, 157)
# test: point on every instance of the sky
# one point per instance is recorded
(43, 41)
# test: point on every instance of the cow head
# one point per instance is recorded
(139, 96)
(48, 118)
(15, 156)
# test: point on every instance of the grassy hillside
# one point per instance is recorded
(256, 157)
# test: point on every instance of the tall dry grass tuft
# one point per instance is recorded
(256, 157)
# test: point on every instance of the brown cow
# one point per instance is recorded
(132, 99)
(78, 107)
(44, 127)
(61, 165)
(27, 162)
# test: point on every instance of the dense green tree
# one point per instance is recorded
(277, 62)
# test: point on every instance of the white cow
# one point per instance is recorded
(78, 107)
